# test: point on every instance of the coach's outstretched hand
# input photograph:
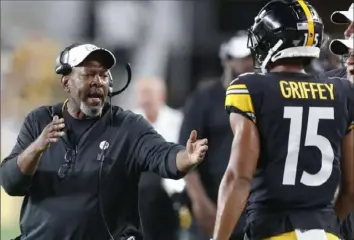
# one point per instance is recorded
(196, 149)
(51, 133)
(188, 158)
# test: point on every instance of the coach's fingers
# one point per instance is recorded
(203, 141)
(52, 140)
(59, 126)
(203, 149)
(193, 136)
(61, 120)
(56, 134)
(59, 134)
(57, 120)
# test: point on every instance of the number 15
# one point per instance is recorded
(315, 41)
(311, 139)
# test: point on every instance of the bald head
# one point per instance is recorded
(151, 93)
(151, 83)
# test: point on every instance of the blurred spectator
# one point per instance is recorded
(327, 60)
(31, 80)
(10, 206)
(159, 218)
(112, 19)
(20, 18)
(205, 113)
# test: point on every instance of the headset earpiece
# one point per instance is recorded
(110, 79)
(63, 67)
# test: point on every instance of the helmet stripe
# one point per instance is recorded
(310, 24)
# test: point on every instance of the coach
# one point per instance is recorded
(342, 18)
(345, 47)
(78, 163)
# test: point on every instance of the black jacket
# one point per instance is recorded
(205, 112)
(338, 72)
(69, 209)
(348, 224)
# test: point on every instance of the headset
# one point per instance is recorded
(64, 68)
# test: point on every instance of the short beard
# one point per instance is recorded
(90, 112)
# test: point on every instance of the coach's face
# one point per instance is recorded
(350, 30)
(88, 86)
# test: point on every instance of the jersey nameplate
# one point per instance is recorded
(306, 90)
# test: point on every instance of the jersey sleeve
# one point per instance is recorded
(239, 98)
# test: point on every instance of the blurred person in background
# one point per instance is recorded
(344, 48)
(30, 79)
(205, 112)
(27, 82)
(327, 60)
(159, 218)
(342, 18)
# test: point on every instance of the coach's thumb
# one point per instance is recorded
(55, 118)
(193, 136)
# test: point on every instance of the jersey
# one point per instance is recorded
(301, 120)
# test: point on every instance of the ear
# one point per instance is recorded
(65, 83)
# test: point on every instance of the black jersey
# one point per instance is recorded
(301, 121)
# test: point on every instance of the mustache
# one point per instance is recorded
(96, 92)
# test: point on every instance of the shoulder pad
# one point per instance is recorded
(245, 77)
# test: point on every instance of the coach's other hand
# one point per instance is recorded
(196, 148)
(51, 133)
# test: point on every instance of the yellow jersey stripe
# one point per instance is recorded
(242, 102)
(237, 86)
(310, 24)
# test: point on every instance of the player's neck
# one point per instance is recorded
(288, 68)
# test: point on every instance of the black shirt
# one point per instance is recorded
(69, 209)
(301, 120)
(205, 112)
(75, 128)
(348, 224)
(340, 72)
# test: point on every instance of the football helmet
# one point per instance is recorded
(285, 29)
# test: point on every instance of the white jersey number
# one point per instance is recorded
(311, 139)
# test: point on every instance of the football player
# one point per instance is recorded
(293, 135)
